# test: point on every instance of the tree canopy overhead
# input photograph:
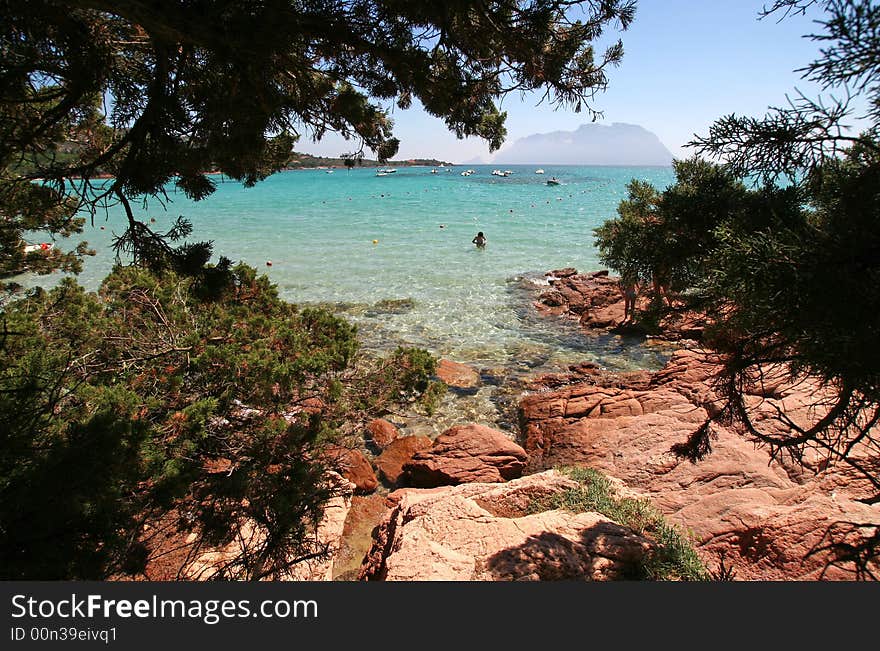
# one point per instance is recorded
(151, 92)
(793, 139)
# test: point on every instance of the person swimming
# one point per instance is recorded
(480, 240)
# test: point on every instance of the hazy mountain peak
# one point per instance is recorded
(618, 143)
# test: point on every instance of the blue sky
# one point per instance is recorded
(686, 63)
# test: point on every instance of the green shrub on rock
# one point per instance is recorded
(674, 558)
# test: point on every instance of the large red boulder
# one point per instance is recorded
(490, 532)
(352, 465)
(396, 454)
(381, 433)
(465, 454)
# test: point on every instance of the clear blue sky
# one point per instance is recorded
(686, 63)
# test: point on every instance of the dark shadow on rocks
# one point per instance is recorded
(605, 551)
(635, 331)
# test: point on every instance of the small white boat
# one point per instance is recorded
(31, 248)
(553, 181)
(329, 171)
(539, 171)
(382, 173)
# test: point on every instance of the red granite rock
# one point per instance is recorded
(352, 465)
(457, 375)
(466, 453)
(381, 433)
(596, 301)
(390, 463)
(487, 532)
(763, 516)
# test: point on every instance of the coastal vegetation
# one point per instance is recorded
(162, 394)
(185, 386)
(185, 390)
(673, 559)
(777, 247)
(300, 160)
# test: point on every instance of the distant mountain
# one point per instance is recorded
(590, 144)
(477, 160)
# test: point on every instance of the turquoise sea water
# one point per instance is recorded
(472, 305)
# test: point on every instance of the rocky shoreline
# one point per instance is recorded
(461, 506)
(595, 300)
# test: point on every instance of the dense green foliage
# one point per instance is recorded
(158, 93)
(674, 557)
(120, 406)
(779, 249)
(661, 239)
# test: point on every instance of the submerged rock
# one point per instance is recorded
(457, 375)
(391, 306)
(356, 540)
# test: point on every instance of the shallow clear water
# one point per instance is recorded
(472, 305)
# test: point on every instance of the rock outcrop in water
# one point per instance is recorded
(455, 374)
(594, 298)
(596, 301)
(765, 518)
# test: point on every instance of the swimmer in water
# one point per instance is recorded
(480, 240)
